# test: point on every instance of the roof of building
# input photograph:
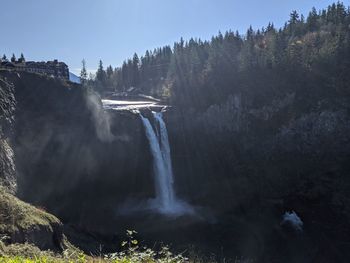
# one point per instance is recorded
(7, 64)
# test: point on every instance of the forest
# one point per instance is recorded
(196, 73)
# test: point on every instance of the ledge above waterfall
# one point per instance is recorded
(130, 105)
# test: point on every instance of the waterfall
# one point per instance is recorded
(166, 201)
(161, 167)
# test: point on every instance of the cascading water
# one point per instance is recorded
(163, 179)
(166, 201)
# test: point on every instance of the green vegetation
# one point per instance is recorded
(27, 253)
(26, 230)
(83, 72)
(17, 215)
(200, 73)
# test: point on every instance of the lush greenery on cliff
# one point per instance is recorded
(17, 215)
(308, 49)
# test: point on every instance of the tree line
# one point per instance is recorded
(200, 73)
(13, 58)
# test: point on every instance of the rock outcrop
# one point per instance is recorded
(72, 157)
(23, 223)
(290, 153)
(7, 108)
(19, 221)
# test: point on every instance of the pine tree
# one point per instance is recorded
(135, 71)
(293, 25)
(21, 59)
(13, 58)
(4, 58)
(312, 20)
(109, 72)
(124, 76)
(270, 27)
(100, 74)
(250, 33)
(83, 72)
(294, 17)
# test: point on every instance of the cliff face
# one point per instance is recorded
(270, 151)
(7, 108)
(239, 159)
(73, 158)
(289, 153)
(20, 222)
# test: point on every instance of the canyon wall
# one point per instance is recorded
(7, 108)
(240, 162)
(73, 158)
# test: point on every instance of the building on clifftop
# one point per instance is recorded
(54, 68)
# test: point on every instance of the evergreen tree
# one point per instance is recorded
(83, 72)
(250, 33)
(21, 59)
(13, 58)
(109, 72)
(294, 17)
(135, 70)
(100, 74)
(293, 23)
(312, 20)
(270, 27)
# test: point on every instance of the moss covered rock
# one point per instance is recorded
(23, 223)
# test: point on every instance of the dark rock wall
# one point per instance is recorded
(73, 158)
(239, 159)
(242, 151)
(255, 163)
(7, 163)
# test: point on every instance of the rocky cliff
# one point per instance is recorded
(7, 108)
(19, 221)
(241, 163)
(72, 158)
(290, 153)
(276, 143)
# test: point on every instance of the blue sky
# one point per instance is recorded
(112, 30)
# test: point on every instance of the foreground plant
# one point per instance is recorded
(135, 253)
(132, 253)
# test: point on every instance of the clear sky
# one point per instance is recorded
(112, 30)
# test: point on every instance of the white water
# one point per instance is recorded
(130, 105)
(294, 220)
(166, 201)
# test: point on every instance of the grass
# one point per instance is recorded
(132, 253)
(16, 215)
(27, 253)
(20, 221)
